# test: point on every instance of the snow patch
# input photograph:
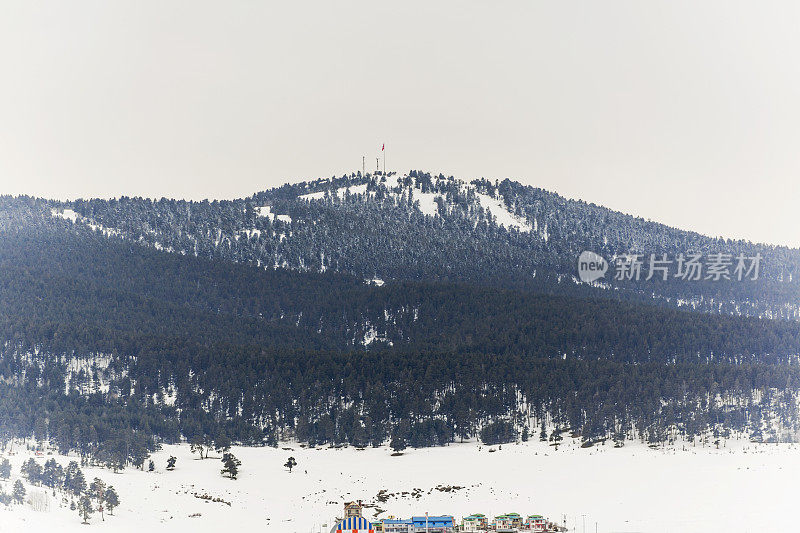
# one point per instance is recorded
(502, 215)
(341, 192)
(427, 202)
(265, 211)
(66, 214)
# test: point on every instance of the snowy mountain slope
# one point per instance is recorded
(263, 354)
(417, 226)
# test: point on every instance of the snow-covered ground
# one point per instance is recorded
(501, 213)
(341, 192)
(739, 488)
(266, 211)
(427, 202)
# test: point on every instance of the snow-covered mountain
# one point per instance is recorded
(407, 311)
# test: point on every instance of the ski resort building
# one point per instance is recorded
(354, 524)
(433, 524)
(391, 525)
(475, 522)
(352, 509)
(536, 522)
(507, 521)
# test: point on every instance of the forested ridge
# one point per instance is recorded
(111, 347)
(424, 227)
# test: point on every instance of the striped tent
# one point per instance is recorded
(354, 524)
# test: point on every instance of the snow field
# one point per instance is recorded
(741, 487)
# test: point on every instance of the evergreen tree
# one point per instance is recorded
(222, 444)
(556, 437)
(171, 462)
(85, 509)
(5, 468)
(198, 444)
(69, 474)
(619, 438)
(231, 465)
(5, 499)
(50, 473)
(290, 463)
(398, 443)
(77, 484)
(32, 471)
(111, 498)
(97, 491)
(18, 493)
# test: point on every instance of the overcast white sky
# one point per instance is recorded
(684, 112)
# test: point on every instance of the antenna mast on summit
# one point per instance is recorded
(363, 165)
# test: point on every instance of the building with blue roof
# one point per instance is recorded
(433, 524)
(397, 526)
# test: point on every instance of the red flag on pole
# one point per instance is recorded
(383, 146)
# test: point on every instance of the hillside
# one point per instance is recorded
(421, 227)
(112, 347)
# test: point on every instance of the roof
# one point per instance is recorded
(354, 522)
(393, 521)
(432, 520)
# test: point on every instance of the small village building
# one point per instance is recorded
(433, 524)
(536, 522)
(509, 521)
(475, 522)
(352, 509)
(501, 522)
(516, 520)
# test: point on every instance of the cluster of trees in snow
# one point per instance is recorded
(66, 483)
